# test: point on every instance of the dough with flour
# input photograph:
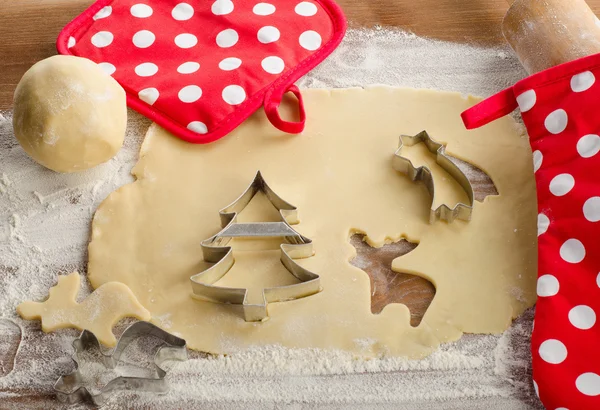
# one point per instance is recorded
(98, 313)
(339, 175)
(69, 115)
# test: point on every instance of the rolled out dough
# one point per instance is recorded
(339, 175)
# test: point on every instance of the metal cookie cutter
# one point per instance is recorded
(68, 388)
(423, 174)
(217, 251)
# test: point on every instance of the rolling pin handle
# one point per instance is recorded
(547, 33)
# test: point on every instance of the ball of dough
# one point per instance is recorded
(69, 115)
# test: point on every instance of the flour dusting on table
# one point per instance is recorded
(44, 229)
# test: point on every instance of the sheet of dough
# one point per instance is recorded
(339, 175)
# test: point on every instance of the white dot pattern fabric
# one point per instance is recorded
(222, 7)
(182, 12)
(268, 34)
(310, 40)
(108, 68)
(560, 110)
(264, 9)
(199, 68)
(102, 39)
(141, 11)
(527, 100)
(230, 63)
(561, 115)
(143, 39)
(186, 40)
(149, 95)
(190, 94)
(227, 38)
(553, 351)
(234, 94)
(189, 67)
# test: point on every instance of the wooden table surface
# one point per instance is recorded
(28, 31)
(28, 28)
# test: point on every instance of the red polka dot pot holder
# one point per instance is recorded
(560, 108)
(200, 68)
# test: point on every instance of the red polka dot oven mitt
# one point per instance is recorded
(560, 108)
(200, 68)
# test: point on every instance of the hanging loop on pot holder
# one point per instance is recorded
(272, 102)
(490, 109)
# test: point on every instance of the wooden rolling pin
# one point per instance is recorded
(546, 33)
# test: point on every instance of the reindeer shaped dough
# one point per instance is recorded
(98, 313)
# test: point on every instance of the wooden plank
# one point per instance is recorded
(28, 28)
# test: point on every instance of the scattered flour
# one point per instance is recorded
(44, 229)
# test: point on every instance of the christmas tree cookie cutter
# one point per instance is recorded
(216, 250)
(423, 174)
(69, 387)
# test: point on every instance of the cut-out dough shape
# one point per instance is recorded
(98, 313)
(148, 234)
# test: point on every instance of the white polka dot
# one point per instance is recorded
(588, 384)
(71, 42)
(310, 40)
(562, 184)
(149, 95)
(103, 13)
(561, 408)
(547, 285)
(230, 63)
(108, 68)
(598, 280)
(222, 7)
(553, 351)
(190, 94)
(186, 40)
(143, 39)
(582, 82)
(188, 68)
(306, 9)
(572, 251)
(582, 317)
(588, 145)
(141, 11)
(273, 65)
(227, 38)
(527, 100)
(234, 94)
(543, 222)
(198, 127)
(102, 39)
(268, 34)
(537, 389)
(538, 158)
(146, 69)
(263, 9)
(591, 209)
(556, 121)
(182, 12)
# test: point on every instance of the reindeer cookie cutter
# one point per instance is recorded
(69, 387)
(216, 250)
(423, 174)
